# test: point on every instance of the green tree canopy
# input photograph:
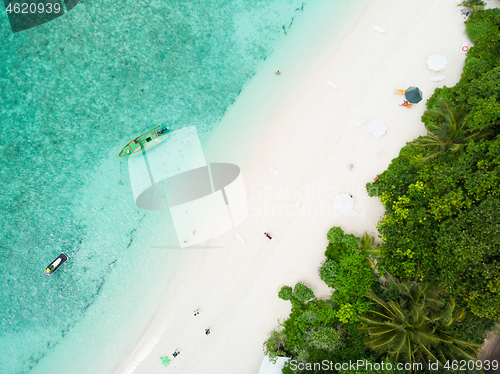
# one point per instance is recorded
(414, 327)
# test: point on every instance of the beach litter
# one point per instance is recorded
(332, 85)
(344, 204)
(378, 29)
(240, 238)
(437, 79)
(361, 122)
(377, 128)
(273, 171)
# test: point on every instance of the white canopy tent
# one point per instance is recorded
(437, 62)
(267, 367)
(344, 204)
(377, 128)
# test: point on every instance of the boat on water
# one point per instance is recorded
(144, 142)
(56, 264)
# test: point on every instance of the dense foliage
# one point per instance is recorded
(415, 326)
(440, 247)
(441, 222)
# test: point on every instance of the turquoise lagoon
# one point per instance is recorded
(72, 92)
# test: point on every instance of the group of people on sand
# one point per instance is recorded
(207, 332)
(197, 311)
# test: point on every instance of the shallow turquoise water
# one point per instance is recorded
(72, 92)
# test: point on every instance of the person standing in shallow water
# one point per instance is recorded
(268, 236)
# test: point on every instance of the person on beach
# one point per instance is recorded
(268, 236)
(196, 312)
(185, 241)
(277, 72)
(207, 331)
(194, 232)
(176, 353)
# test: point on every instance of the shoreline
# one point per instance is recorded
(308, 141)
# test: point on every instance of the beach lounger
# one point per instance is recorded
(382, 152)
(437, 79)
(240, 238)
(273, 171)
(378, 29)
(332, 85)
(400, 92)
(361, 121)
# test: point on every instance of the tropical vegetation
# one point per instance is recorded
(431, 289)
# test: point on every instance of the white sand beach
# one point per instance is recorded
(312, 142)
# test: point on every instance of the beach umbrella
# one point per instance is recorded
(436, 62)
(413, 95)
(344, 204)
(377, 128)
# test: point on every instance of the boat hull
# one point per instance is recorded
(143, 142)
(56, 264)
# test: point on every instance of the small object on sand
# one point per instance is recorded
(376, 178)
(268, 236)
(350, 167)
(361, 121)
(240, 238)
(273, 171)
(382, 152)
(165, 360)
(464, 48)
(207, 331)
(378, 29)
(277, 72)
(332, 85)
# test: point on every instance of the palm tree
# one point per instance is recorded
(413, 328)
(367, 247)
(450, 131)
(474, 5)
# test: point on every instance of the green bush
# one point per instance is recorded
(285, 293)
(335, 235)
(274, 345)
(328, 272)
(302, 293)
(334, 251)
